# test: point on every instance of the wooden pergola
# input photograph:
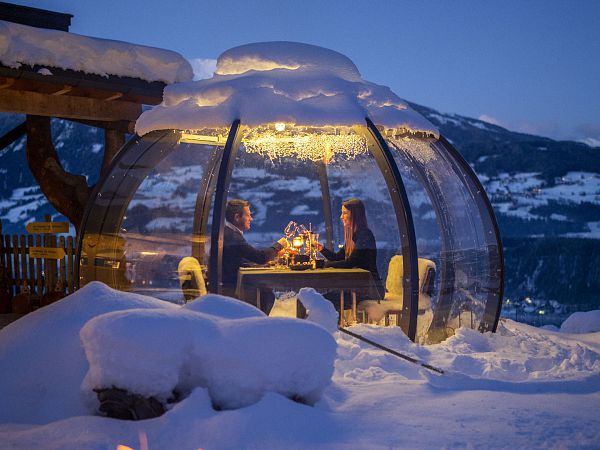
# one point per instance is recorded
(112, 103)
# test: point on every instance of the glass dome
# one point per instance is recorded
(438, 248)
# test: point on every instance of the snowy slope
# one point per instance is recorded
(522, 387)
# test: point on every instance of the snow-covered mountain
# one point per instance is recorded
(546, 195)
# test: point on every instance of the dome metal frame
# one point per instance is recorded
(221, 167)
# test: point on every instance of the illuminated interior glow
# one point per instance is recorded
(204, 137)
(281, 140)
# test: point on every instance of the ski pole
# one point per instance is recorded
(389, 350)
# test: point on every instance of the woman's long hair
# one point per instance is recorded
(358, 221)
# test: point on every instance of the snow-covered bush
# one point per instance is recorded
(156, 353)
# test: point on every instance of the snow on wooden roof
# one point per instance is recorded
(25, 45)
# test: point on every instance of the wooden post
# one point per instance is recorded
(15, 251)
(70, 264)
(38, 267)
(2, 256)
(8, 262)
(113, 141)
(63, 264)
(31, 267)
(23, 249)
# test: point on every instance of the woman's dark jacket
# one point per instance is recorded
(364, 256)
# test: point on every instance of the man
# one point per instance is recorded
(237, 252)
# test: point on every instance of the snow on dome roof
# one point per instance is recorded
(22, 44)
(265, 56)
(288, 82)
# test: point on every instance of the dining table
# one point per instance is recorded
(251, 280)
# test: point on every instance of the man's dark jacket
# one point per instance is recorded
(237, 253)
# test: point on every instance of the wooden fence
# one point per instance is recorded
(39, 275)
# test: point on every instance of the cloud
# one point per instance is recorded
(203, 68)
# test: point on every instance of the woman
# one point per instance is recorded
(359, 250)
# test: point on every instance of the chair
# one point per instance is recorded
(190, 278)
(393, 301)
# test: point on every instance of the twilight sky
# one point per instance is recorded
(527, 65)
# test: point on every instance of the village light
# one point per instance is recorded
(280, 126)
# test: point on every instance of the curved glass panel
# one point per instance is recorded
(296, 179)
(147, 216)
(427, 225)
(468, 280)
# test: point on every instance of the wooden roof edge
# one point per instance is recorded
(35, 17)
(150, 90)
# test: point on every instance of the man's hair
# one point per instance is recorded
(235, 206)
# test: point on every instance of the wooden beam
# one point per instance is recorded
(123, 126)
(67, 106)
(113, 141)
(13, 135)
(114, 97)
(8, 82)
(64, 90)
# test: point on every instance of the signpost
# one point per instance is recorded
(46, 252)
(47, 227)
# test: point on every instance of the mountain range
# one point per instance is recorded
(545, 193)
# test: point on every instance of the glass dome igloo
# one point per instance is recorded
(295, 130)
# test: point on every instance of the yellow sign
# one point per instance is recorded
(47, 227)
(46, 252)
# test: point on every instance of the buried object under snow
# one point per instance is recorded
(236, 360)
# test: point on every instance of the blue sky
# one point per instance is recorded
(528, 65)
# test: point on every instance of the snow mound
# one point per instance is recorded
(237, 360)
(21, 44)
(266, 56)
(223, 307)
(582, 322)
(42, 361)
(319, 310)
(516, 357)
(289, 82)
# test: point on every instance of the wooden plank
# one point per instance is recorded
(46, 268)
(54, 262)
(23, 252)
(38, 267)
(15, 251)
(67, 106)
(64, 90)
(71, 264)
(2, 256)
(63, 263)
(11, 136)
(7, 250)
(32, 280)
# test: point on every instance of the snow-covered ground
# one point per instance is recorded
(521, 387)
